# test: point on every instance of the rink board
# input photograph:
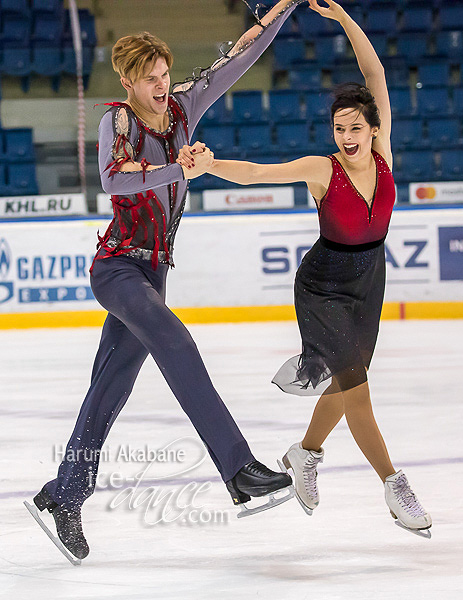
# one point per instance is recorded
(236, 267)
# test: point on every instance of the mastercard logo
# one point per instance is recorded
(426, 193)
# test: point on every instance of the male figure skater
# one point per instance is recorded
(139, 142)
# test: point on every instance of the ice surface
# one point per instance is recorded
(350, 547)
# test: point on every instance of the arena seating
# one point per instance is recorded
(421, 47)
(17, 163)
(36, 40)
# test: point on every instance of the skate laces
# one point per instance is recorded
(407, 498)
(309, 472)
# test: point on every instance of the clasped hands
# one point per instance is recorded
(195, 160)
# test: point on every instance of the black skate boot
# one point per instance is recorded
(68, 525)
(255, 479)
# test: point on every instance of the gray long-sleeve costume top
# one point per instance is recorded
(148, 205)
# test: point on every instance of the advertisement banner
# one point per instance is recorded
(248, 199)
(440, 192)
(43, 206)
(44, 266)
(238, 260)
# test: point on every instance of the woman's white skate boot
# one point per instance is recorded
(304, 466)
(405, 507)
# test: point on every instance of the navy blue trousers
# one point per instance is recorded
(139, 323)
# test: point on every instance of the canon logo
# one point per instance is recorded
(234, 199)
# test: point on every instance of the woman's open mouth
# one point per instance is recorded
(351, 149)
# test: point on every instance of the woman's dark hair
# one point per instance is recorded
(354, 95)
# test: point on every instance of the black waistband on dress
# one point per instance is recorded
(350, 247)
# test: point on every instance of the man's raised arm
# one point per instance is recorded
(199, 94)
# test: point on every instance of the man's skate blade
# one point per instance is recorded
(34, 512)
(424, 533)
(306, 509)
(247, 512)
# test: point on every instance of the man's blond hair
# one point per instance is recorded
(133, 54)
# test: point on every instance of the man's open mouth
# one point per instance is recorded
(161, 98)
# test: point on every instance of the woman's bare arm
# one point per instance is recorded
(311, 169)
(371, 68)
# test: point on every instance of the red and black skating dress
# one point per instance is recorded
(339, 286)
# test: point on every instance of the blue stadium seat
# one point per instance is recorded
(330, 48)
(433, 101)
(309, 25)
(48, 28)
(18, 145)
(407, 133)
(412, 47)
(284, 105)
(397, 71)
(19, 7)
(317, 105)
(457, 100)
(286, 51)
(46, 62)
(256, 137)
(401, 103)
(444, 131)
(16, 61)
(22, 179)
(69, 62)
(289, 28)
(247, 106)
(450, 44)
(87, 28)
(415, 165)
(209, 182)
(17, 29)
(293, 136)
(417, 18)
(347, 71)
(451, 165)
(305, 77)
(451, 17)
(217, 113)
(323, 134)
(381, 19)
(434, 74)
(52, 6)
(4, 188)
(379, 42)
(220, 138)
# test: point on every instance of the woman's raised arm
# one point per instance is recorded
(369, 65)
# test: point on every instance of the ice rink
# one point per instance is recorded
(189, 544)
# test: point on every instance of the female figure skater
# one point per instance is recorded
(339, 285)
(139, 141)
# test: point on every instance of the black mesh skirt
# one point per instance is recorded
(338, 298)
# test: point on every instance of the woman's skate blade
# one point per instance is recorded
(305, 508)
(58, 543)
(424, 533)
(272, 502)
